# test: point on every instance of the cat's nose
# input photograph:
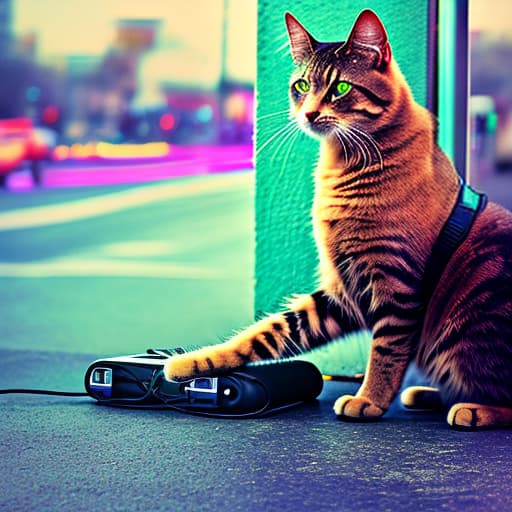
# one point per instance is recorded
(312, 116)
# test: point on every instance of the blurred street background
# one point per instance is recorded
(126, 208)
(127, 222)
(490, 128)
(104, 103)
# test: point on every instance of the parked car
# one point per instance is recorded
(21, 141)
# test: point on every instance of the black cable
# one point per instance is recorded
(42, 392)
(27, 391)
(148, 391)
(196, 412)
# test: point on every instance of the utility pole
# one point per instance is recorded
(223, 81)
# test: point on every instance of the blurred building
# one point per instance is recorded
(144, 86)
(27, 89)
(491, 89)
(5, 26)
(101, 89)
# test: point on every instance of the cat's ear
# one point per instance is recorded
(302, 43)
(369, 33)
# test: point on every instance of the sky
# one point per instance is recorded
(87, 27)
(491, 16)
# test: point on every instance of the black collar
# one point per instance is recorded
(469, 204)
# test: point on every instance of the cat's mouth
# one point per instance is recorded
(321, 126)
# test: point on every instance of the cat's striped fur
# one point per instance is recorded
(384, 189)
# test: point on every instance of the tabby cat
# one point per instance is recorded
(383, 192)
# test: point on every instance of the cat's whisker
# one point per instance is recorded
(289, 135)
(293, 139)
(277, 134)
(277, 153)
(294, 134)
(294, 347)
(365, 151)
(281, 44)
(359, 154)
(281, 38)
(286, 134)
(357, 151)
(364, 143)
(340, 137)
(379, 153)
(283, 49)
(345, 143)
(372, 145)
(285, 137)
(368, 145)
(273, 114)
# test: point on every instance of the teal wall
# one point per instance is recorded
(286, 260)
(285, 253)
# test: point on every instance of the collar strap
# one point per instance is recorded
(469, 204)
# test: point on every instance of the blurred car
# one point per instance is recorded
(21, 141)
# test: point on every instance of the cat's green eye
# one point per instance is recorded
(341, 89)
(301, 86)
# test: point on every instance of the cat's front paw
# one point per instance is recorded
(181, 368)
(351, 408)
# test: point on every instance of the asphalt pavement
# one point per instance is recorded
(80, 279)
(71, 454)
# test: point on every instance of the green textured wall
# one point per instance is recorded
(285, 253)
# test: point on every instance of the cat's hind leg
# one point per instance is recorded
(421, 398)
(469, 416)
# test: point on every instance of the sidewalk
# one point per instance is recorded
(70, 454)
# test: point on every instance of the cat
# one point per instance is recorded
(383, 192)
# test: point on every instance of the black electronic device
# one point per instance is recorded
(253, 390)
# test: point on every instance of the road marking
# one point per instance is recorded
(76, 267)
(140, 248)
(95, 206)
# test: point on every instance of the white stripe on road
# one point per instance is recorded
(74, 267)
(91, 207)
(140, 248)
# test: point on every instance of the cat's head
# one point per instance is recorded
(342, 84)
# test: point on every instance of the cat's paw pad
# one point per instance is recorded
(356, 408)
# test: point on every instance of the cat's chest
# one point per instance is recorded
(337, 224)
(331, 250)
(341, 225)
(340, 232)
